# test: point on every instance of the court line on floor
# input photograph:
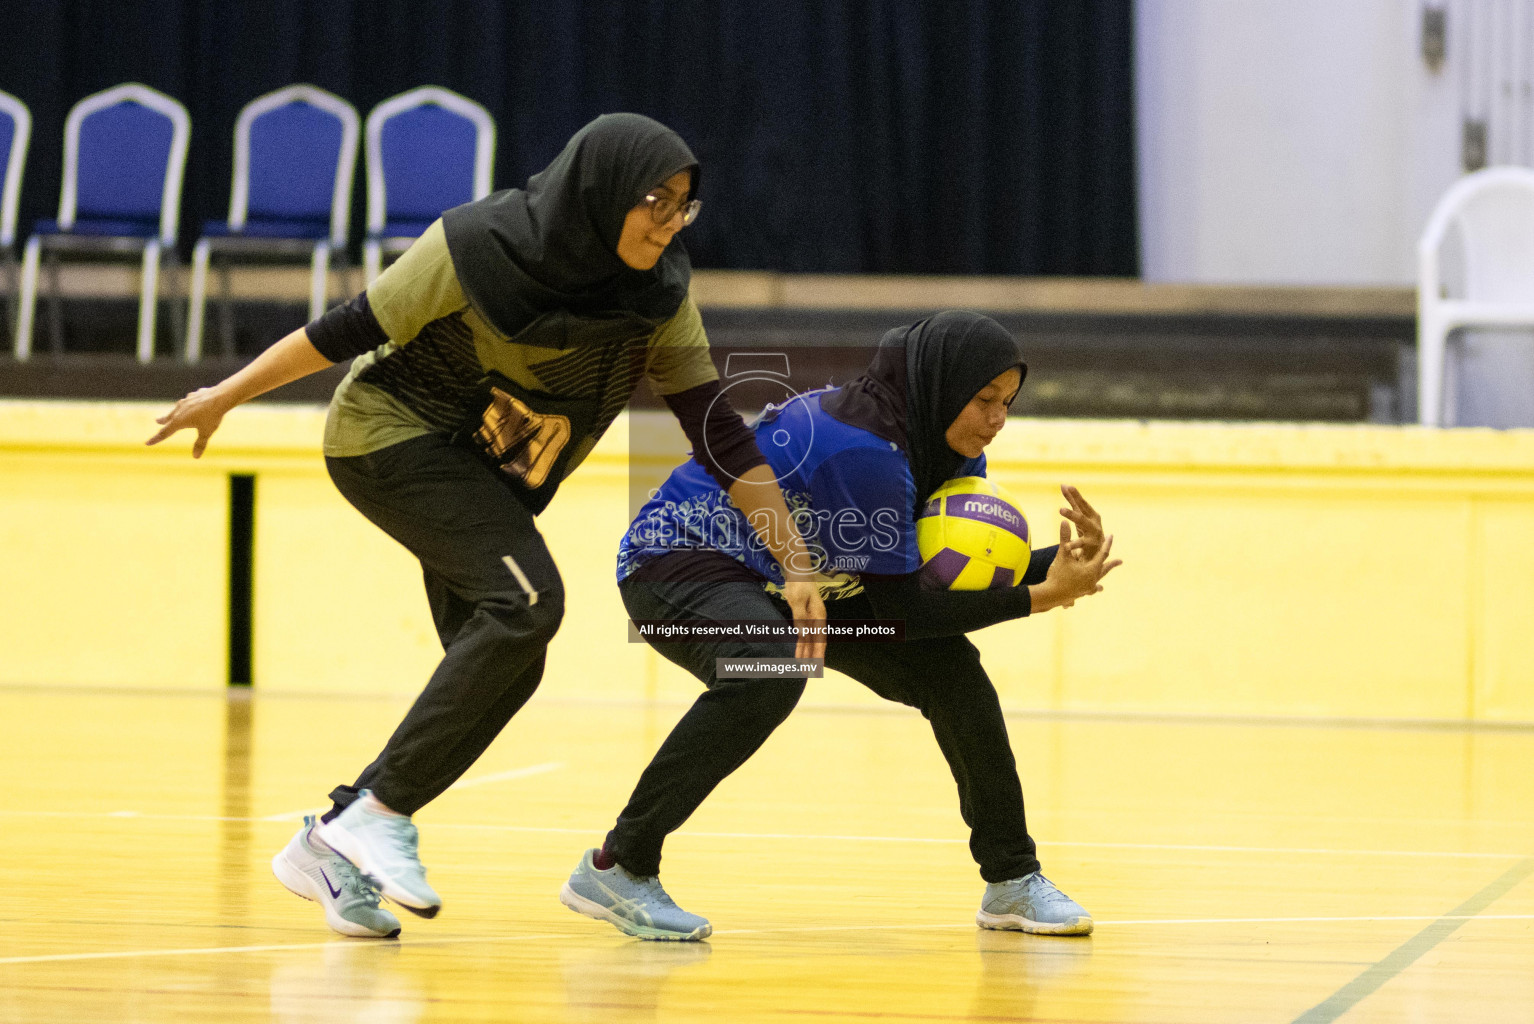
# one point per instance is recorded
(1410, 951)
(478, 780)
(904, 927)
(1288, 849)
(800, 837)
(1325, 920)
(273, 948)
(515, 773)
(908, 926)
(404, 697)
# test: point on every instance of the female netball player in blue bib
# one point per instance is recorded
(856, 464)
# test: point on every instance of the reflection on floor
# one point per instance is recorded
(1238, 872)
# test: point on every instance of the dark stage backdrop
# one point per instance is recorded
(955, 136)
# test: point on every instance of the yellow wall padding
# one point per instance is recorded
(1295, 570)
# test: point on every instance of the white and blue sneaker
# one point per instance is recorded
(636, 906)
(1032, 904)
(383, 847)
(307, 867)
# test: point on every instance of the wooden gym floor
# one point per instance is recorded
(1238, 871)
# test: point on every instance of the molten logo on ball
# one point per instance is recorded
(972, 536)
(991, 508)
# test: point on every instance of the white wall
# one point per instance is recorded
(1289, 141)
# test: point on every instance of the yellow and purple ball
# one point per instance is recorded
(972, 536)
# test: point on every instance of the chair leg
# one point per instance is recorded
(319, 280)
(177, 309)
(1430, 345)
(8, 258)
(372, 262)
(149, 287)
(196, 300)
(55, 305)
(226, 339)
(1453, 353)
(26, 301)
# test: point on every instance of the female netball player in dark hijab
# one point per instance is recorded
(863, 459)
(487, 362)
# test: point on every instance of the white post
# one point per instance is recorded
(1430, 362)
(372, 260)
(197, 300)
(28, 304)
(319, 280)
(149, 292)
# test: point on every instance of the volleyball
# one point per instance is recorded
(972, 536)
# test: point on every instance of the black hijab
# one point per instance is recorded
(553, 245)
(920, 379)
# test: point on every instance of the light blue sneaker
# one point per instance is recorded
(636, 906)
(1032, 904)
(383, 847)
(307, 867)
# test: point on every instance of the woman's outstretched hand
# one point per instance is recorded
(809, 613)
(203, 410)
(1072, 574)
(1089, 525)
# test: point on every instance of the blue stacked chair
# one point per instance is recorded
(124, 157)
(295, 151)
(428, 150)
(15, 134)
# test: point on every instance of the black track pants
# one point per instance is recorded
(495, 596)
(942, 678)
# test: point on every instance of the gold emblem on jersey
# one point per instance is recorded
(525, 443)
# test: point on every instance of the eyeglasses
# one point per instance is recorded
(663, 208)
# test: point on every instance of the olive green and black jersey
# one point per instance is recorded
(438, 366)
